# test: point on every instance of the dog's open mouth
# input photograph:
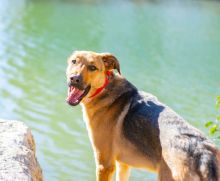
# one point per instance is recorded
(75, 95)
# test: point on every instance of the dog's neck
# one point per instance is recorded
(108, 76)
(117, 86)
(102, 91)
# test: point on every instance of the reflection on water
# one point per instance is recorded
(170, 49)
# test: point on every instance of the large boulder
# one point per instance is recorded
(17, 153)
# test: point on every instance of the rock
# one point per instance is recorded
(17, 153)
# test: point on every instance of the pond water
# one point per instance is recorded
(170, 49)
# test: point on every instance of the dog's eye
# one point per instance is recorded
(74, 61)
(92, 68)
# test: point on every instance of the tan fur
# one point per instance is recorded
(123, 172)
(110, 147)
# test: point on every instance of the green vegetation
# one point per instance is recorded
(214, 126)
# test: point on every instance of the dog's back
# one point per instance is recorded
(159, 132)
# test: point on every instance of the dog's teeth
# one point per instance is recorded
(73, 90)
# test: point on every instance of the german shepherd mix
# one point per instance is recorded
(130, 128)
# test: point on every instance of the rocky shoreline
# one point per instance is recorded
(18, 160)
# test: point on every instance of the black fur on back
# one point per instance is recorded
(141, 125)
(152, 126)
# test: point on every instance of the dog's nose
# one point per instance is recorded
(76, 79)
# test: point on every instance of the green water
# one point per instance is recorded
(170, 49)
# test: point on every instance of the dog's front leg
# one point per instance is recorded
(104, 172)
(122, 172)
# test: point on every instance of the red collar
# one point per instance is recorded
(108, 75)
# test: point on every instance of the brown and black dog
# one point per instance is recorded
(130, 128)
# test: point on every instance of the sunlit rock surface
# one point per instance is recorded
(17, 153)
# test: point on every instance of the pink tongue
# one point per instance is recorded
(74, 94)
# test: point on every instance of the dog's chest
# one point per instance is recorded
(97, 127)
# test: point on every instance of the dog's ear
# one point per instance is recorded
(110, 62)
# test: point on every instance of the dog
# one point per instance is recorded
(130, 128)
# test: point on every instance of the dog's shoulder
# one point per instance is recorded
(140, 125)
(145, 106)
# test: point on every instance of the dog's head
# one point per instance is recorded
(86, 72)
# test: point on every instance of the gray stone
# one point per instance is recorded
(17, 153)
